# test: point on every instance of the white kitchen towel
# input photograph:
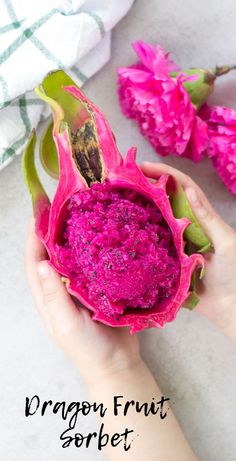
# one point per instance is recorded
(36, 37)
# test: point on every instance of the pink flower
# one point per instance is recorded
(161, 105)
(222, 143)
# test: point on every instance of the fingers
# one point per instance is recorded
(54, 303)
(218, 231)
(34, 253)
(155, 170)
(35, 250)
(57, 309)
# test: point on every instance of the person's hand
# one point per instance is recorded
(218, 288)
(97, 350)
(109, 361)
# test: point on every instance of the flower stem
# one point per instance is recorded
(222, 70)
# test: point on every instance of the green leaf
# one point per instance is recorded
(40, 201)
(192, 300)
(48, 152)
(72, 110)
(33, 182)
(194, 232)
(200, 88)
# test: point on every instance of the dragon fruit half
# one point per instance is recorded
(118, 240)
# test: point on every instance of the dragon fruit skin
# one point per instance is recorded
(75, 117)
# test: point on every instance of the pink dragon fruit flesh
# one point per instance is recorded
(126, 247)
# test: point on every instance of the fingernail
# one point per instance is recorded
(43, 270)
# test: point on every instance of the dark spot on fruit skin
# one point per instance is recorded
(94, 162)
(85, 147)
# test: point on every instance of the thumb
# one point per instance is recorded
(58, 311)
(218, 231)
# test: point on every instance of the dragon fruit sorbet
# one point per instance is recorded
(117, 239)
(118, 249)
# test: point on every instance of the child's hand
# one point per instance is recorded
(97, 349)
(218, 289)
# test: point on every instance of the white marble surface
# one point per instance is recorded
(194, 363)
